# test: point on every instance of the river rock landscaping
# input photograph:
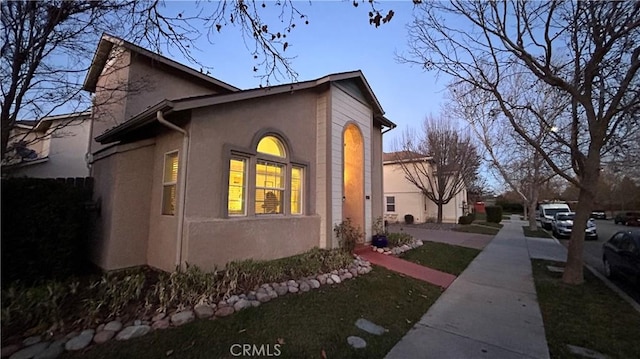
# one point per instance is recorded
(52, 343)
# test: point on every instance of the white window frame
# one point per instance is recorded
(166, 183)
(387, 204)
(302, 188)
(245, 185)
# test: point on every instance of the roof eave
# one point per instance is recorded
(143, 118)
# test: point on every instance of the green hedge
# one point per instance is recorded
(494, 214)
(45, 228)
(468, 219)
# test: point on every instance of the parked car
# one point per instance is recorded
(621, 255)
(628, 218)
(598, 214)
(546, 211)
(562, 224)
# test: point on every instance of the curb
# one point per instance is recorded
(614, 288)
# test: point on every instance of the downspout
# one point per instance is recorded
(183, 184)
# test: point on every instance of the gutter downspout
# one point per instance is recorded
(183, 184)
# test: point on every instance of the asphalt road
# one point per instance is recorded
(593, 254)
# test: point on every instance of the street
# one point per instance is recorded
(593, 254)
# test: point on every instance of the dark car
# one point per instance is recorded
(628, 218)
(621, 255)
(598, 214)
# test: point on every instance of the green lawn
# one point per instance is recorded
(590, 315)
(540, 233)
(479, 229)
(450, 259)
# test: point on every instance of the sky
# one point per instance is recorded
(338, 38)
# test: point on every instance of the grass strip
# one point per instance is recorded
(589, 315)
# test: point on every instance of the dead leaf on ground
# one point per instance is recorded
(280, 341)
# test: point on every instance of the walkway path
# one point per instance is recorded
(490, 310)
(405, 267)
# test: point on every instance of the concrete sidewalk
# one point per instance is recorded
(490, 310)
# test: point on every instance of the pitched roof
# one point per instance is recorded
(106, 44)
(406, 156)
(44, 123)
(149, 115)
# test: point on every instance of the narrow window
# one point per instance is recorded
(391, 204)
(269, 187)
(169, 183)
(296, 190)
(237, 184)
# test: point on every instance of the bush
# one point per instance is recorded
(348, 235)
(468, 219)
(408, 218)
(494, 214)
(45, 229)
(398, 239)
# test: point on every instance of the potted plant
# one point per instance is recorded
(379, 238)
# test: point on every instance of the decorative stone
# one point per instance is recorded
(348, 275)
(255, 303)
(136, 331)
(160, 324)
(224, 311)
(241, 304)
(293, 289)
(555, 269)
(330, 281)
(103, 336)
(282, 290)
(292, 283)
(354, 272)
(356, 342)
(100, 327)
(315, 284)
(380, 250)
(81, 341)
(272, 293)
(113, 326)
(304, 287)
(181, 318)
(53, 351)
(322, 278)
(232, 299)
(203, 311)
(266, 286)
(137, 322)
(370, 327)
(30, 351)
(158, 317)
(419, 242)
(335, 278)
(32, 340)
(585, 352)
(262, 296)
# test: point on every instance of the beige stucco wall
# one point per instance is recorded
(213, 240)
(123, 175)
(162, 242)
(377, 187)
(409, 199)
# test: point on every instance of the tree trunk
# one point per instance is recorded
(574, 269)
(533, 201)
(439, 220)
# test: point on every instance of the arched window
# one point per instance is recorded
(278, 187)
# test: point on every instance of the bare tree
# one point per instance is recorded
(440, 160)
(586, 51)
(519, 165)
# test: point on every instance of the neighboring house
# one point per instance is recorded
(403, 197)
(55, 146)
(197, 171)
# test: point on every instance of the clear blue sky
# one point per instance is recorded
(338, 38)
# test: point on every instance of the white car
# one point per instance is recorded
(562, 224)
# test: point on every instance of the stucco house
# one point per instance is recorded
(52, 147)
(403, 197)
(190, 169)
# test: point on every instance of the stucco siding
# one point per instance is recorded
(409, 199)
(151, 83)
(214, 242)
(377, 188)
(103, 193)
(345, 109)
(163, 229)
(122, 183)
(321, 166)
